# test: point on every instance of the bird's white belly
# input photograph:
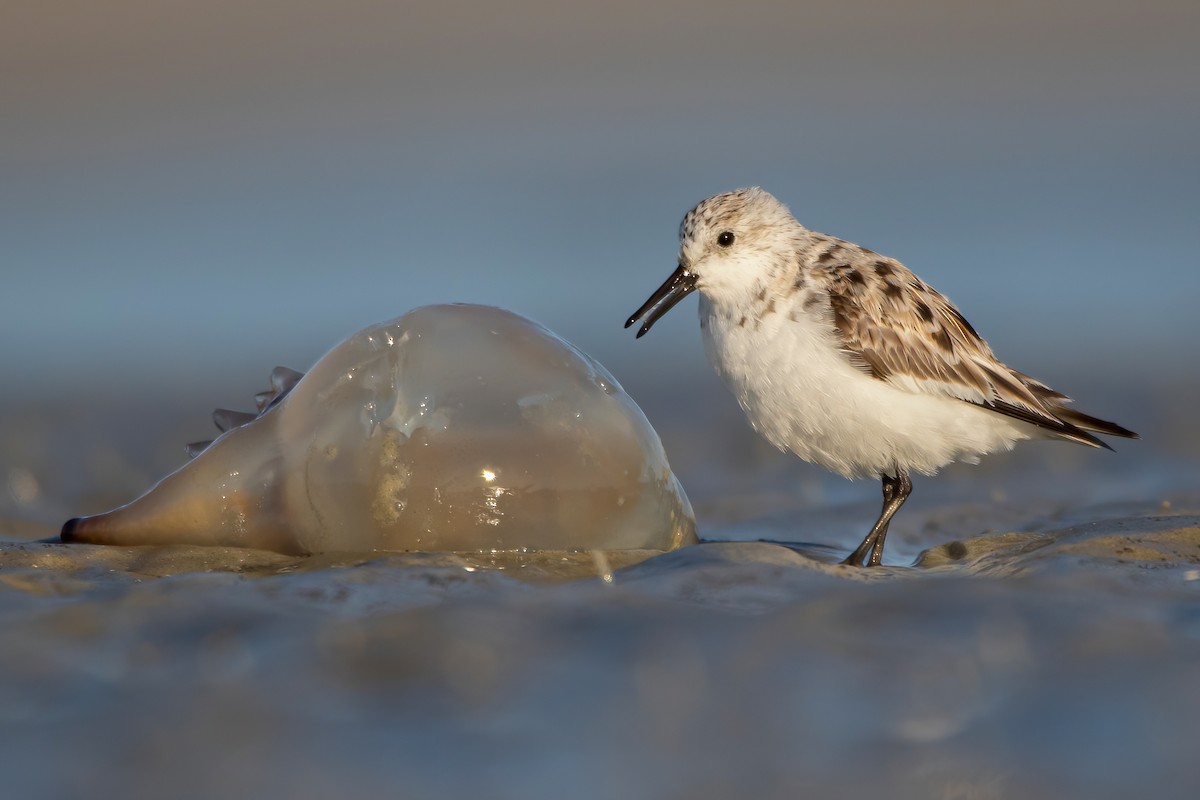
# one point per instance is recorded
(803, 395)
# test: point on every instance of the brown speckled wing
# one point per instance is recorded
(896, 328)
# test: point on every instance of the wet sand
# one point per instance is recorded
(1053, 662)
(1035, 634)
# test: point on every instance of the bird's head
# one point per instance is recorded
(729, 246)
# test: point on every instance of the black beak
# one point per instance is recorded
(675, 288)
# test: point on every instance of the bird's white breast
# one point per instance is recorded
(801, 392)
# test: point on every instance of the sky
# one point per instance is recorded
(192, 193)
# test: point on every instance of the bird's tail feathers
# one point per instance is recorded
(1089, 423)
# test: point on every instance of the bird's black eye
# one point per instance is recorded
(725, 238)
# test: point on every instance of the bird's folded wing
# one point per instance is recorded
(898, 329)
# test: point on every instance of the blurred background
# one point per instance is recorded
(192, 193)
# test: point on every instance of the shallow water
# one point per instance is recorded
(1036, 634)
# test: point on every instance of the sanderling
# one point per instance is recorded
(846, 358)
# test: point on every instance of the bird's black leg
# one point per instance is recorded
(895, 491)
(901, 489)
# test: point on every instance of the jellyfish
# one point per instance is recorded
(450, 428)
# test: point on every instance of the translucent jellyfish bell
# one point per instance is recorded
(451, 428)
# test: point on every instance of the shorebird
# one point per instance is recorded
(847, 359)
